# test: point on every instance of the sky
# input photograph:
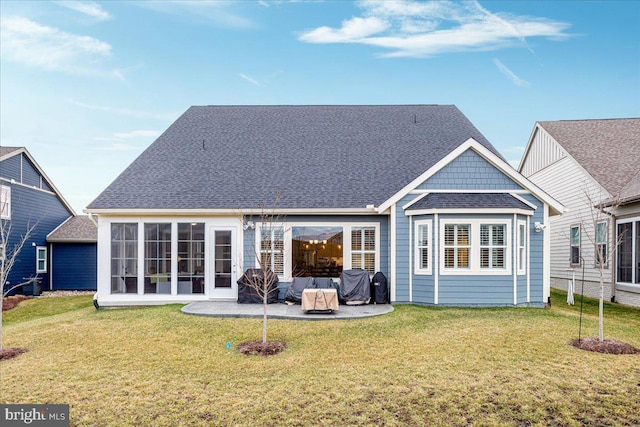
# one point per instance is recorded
(87, 86)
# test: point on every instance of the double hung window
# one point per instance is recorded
(602, 235)
(457, 244)
(272, 248)
(422, 245)
(363, 248)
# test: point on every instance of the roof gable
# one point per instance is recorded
(332, 157)
(609, 150)
(79, 228)
(498, 162)
(28, 172)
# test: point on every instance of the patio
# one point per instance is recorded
(282, 311)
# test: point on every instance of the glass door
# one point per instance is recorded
(223, 282)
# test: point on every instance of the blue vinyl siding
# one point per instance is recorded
(28, 207)
(423, 285)
(477, 289)
(469, 172)
(30, 175)
(536, 248)
(10, 168)
(73, 266)
(403, 267)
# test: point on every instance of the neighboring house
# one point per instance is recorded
(73, 255)
(413, 191)
(28, 198)
(585, 165)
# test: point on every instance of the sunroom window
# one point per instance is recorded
(191, 266)
(157, 258)
(124, 258)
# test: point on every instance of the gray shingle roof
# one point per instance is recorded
(608, 149)
(468, 201)
(78, 228)
(6, 150)
(230, 157)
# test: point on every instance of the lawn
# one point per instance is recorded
(155, 366)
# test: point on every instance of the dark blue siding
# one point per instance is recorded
(73, 266)
(10, 168)
(30, 175)
(29, 207)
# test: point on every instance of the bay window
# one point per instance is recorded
(476, 247)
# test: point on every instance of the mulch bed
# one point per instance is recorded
(10, 353)
(606, 346)
(258, 348)
(10, 302)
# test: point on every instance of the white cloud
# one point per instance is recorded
(423, 29)
(205, 11)
(29, 43)
(140, 114)
(510, 74)
(88, 8)
(251, 80)
(352, 30)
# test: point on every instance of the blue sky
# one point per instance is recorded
(87, 86)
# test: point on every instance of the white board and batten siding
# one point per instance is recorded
(549, 166)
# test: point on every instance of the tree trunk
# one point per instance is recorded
(601, 309)
(264, 316)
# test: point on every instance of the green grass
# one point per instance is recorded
(155, 366)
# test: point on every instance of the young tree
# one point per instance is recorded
(596, 228)
(268, 253)
(8, 257)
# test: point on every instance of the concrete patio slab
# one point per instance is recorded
(282, 311)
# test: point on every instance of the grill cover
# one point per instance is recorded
(252, 277)
(299, 284)
(379, 288)
(354, 287)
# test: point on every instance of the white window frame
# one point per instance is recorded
(571, 245)
(456, 246)
(259, 251)
(474, 247)
(490, 246)
(346, 242)
(522, 242)
(5, 202)
(360, 253)
(596, 255)
(39, 250)
(418, 225)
